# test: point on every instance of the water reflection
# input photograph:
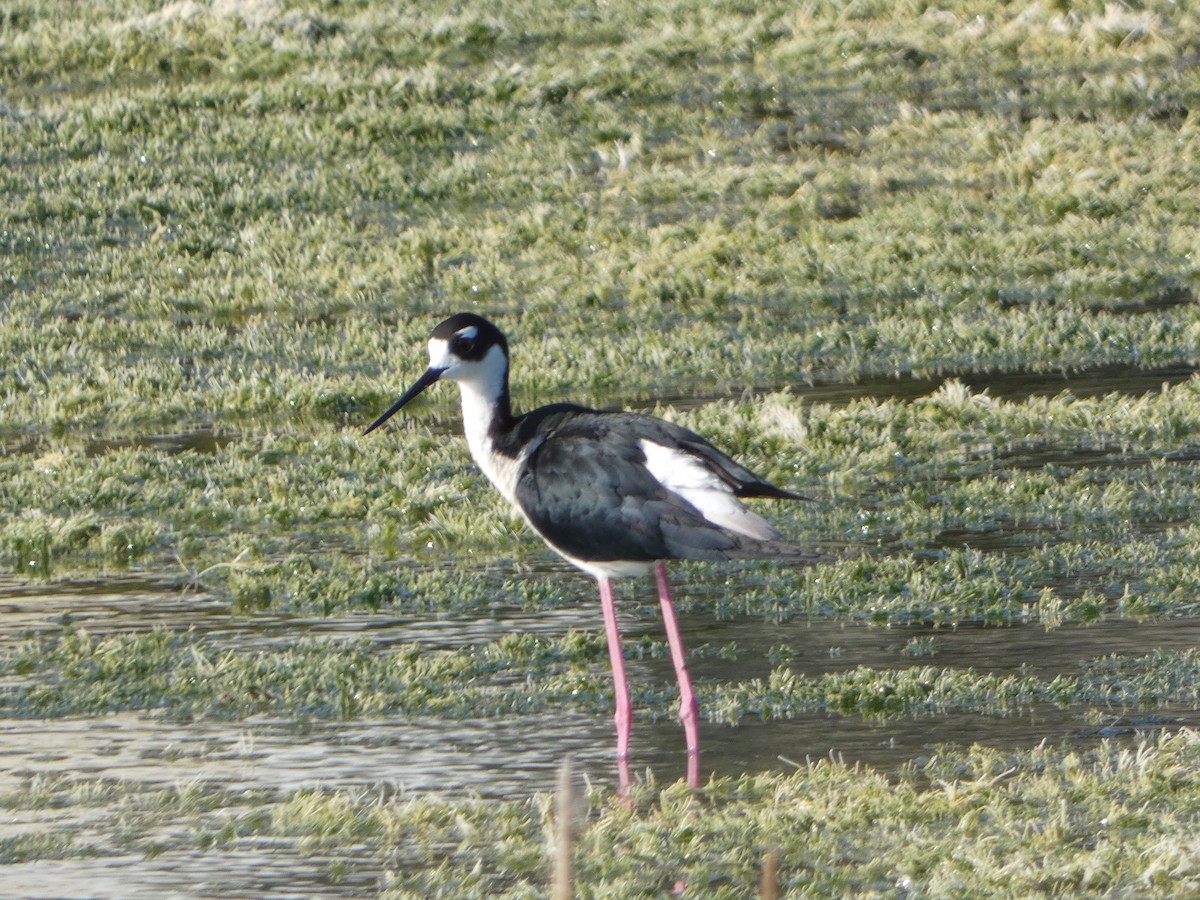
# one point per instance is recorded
(488, 758)
(500, 758)
(249, 870)
(723, 649)
(517, 754)
(463, 757)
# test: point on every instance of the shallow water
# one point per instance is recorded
(251, 870)
(1013, 386)
(464, 757)
(197, 440)
(518, 755)
(490, 758)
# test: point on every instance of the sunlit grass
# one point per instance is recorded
(242, 220)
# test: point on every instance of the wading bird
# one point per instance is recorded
(615, 493)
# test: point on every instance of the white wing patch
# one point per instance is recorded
(689, 477)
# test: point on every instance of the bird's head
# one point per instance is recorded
(465, 348)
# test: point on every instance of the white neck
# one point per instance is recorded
(482, 392)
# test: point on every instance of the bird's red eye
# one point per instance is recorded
(464, 342)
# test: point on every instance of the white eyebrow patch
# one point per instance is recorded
(470, 332)
(688, 476)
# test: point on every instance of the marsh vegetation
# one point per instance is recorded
(935, 268)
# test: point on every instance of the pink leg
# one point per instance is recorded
(687, 699)
(624, 714)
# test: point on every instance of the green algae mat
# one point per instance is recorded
(935, 268)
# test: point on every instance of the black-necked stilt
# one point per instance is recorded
(615, 493)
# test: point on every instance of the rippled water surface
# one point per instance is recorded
(516, 755)
(495, 757)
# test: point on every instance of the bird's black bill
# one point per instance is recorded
(430, 376)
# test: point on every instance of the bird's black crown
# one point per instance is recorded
(470, 336)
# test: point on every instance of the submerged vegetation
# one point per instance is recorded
(960, 821)
(227, 228)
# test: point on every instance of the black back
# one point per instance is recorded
(586, 489)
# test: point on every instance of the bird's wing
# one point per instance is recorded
(609, 482)
(740, 480)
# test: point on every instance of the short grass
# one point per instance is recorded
(242, 219)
